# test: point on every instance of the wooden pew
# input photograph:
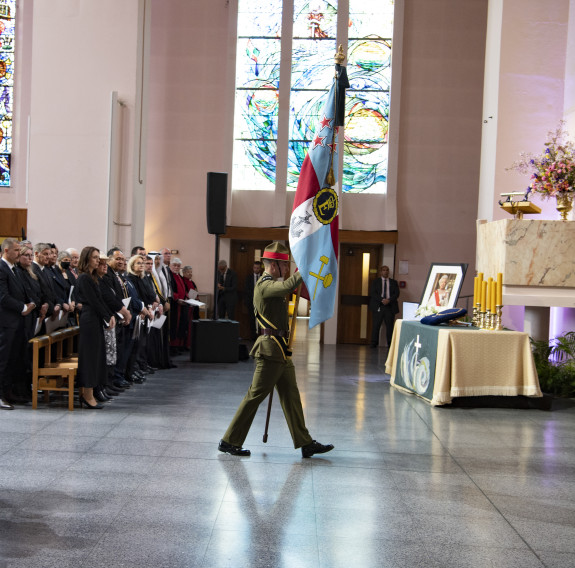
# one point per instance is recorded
(58, 375)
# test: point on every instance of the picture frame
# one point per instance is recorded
(443, 285)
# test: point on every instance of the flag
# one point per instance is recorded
(313, 235)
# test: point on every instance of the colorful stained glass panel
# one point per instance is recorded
(312, 72)
(7, 38)
(313, 46)
(257, 94)
(367, 103)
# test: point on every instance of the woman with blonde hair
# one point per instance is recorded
(35, 318)
(139, 311)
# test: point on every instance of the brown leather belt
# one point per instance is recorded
(275, 332)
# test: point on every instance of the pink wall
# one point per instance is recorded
(531, 90)
(440, 137)
(75, 67)
(190, 125)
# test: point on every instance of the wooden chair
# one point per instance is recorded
(52, 376)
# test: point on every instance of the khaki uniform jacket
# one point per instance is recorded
(271, 303)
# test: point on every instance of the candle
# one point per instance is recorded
(479, 288)
(493, 296)
(483, 295)
(475, 281)
(499, 289)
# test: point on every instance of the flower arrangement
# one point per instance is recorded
(553, 171)
(425, 310)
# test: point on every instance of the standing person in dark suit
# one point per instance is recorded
(42, 255)
(74, 259)
(33, 289)
(114, 279)
(383, 305)
(14, 307)
(227, 291)
(62, 282)
(249, 288)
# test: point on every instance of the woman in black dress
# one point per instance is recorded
(93, 317)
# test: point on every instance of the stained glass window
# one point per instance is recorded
(7, 32)
(313, 46)
(257, 94)
(367, 102)
(312, 71)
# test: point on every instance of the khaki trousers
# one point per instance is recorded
(270, 374)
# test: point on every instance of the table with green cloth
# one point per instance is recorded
(439, 363)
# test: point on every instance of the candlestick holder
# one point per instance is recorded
(475, 319)
(498, 324)
(488, 320)
(493, 321)
(482, 320)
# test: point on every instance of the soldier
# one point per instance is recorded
(274, 367)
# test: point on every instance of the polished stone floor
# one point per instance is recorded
(141, 483)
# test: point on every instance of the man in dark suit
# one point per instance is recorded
(383, 305)
(113, 278)
(14, 306)
(249, 288)
(40, 266)
(227, 291)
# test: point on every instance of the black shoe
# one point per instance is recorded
(139, 380)
(113, 389)
(122, 385)
(232, 450)
(150, 370)
(84, 402)
(172, 366)
(4, 405)
(111, 393)
(16, 399)
(315, 448)
(100, 395)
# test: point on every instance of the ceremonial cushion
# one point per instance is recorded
(444, 316)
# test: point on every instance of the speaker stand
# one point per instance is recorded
(217, 259)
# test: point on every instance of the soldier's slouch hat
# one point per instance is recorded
(276, 251)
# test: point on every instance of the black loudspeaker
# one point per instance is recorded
(217, 202)
(215, 341)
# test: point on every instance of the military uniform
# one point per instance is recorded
(274, 367)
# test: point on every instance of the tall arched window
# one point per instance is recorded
(311, 44)
(7, 32)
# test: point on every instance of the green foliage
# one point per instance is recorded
(555, 364)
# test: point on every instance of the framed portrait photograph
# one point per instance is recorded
(443, 285)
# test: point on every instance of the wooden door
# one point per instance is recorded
(358, 266)
(242, 257)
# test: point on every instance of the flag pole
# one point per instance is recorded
(290, 342)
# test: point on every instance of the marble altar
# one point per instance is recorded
(536, 257)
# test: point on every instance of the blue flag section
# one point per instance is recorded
(314, 222)
(317, 261)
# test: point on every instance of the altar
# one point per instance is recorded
(537, 261)
(439, 363)
(535, 256)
